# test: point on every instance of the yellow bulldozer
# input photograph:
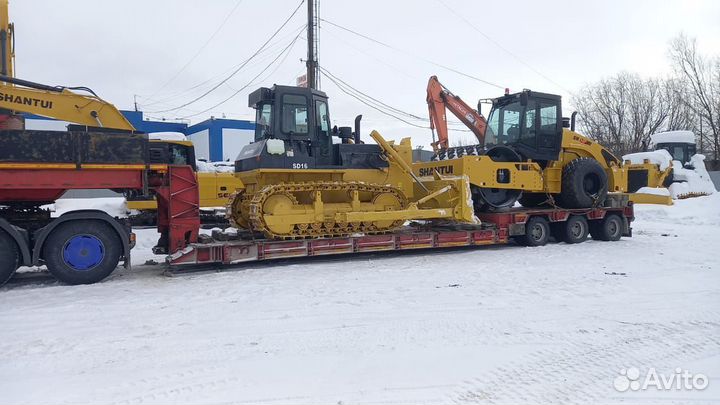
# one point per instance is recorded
(297, 182)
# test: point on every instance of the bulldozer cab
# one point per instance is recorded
(172, 152)
(298, 116)
(679, 151)
(293, 131)
(528, 122)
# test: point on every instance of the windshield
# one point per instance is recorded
(503, 124)
(263, 120)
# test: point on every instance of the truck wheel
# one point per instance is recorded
(608, 228)
(575, 229)
(537, 232)
(82, 252)
(584, 184)
(9, 257)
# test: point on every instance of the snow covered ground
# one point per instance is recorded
(491, 325)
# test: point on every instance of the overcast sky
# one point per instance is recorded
(134, 47)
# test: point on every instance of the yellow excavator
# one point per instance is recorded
(80, 105)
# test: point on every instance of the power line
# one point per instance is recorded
(471, 25)
(199, 51)
(377, 104)
(285, 52)
(241, 65)
(183, 93)
(448, 68)
(351, 94)
(389, 107)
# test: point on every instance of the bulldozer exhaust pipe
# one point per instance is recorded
(357, 129)
(572, 121)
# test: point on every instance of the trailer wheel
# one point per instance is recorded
(82, 252)
(9, 257)
(575, 229)
(584, 184)
(607, 229)
(537, 232)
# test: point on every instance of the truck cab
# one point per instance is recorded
(293, 131)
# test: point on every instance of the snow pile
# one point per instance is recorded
(167, 136)
(215, 167)
(659, 157)
(691, 182)
(699, 211)
(672, 137)
(113, 206)
(654, 191)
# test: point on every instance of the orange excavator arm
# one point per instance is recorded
(439, 98)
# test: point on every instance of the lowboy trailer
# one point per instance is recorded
(529, 227)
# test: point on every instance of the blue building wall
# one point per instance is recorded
(137, 120)
(215, 127)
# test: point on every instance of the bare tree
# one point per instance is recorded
(621, 112)
(679, 115)
(702, 76)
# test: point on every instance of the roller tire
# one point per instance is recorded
(584, 184)
(533, 200)
(9, 257)
(59, 251)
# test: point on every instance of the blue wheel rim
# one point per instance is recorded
(83, 252)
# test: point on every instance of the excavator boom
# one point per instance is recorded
(439, 98)
(60, 103)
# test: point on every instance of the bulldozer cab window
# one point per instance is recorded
(294, 114)
(504, 124)
(322, 119)
(263, 120)
(678, 153)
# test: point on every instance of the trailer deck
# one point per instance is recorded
(495, 229)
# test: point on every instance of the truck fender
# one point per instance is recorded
(20, 236)
(121, 230)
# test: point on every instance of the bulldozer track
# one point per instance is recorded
(317, 229)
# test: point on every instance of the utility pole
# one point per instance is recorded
(312, 51)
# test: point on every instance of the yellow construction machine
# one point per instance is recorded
(529, 152)
(297, 182)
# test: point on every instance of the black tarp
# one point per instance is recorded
(78, 147)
